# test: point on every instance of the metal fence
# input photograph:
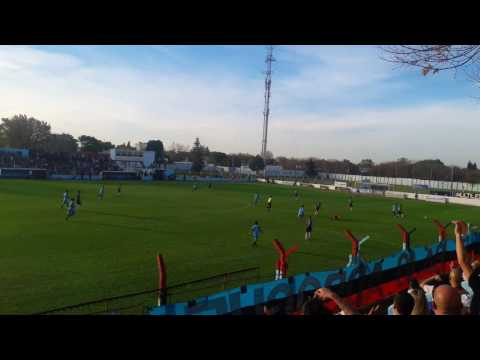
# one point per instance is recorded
(139, 303)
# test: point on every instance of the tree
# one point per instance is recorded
(197, 156)
(61, 143)
(177, 152)
(367, 163)
(174, 147)
(432, 59)
(219, 158)
(22, 131)
(157, 146)
(106, 145)
(310, 169)
(126, 146)
(240, 159)
(3, 140)
(236, 160)
(471, 166)
(365, 166)
(256, 163)
(205, 151)
(289, 164)
(92, 144)
(431, 170)
(269, 158)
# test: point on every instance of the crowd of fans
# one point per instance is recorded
(454, 293)
(65, 164)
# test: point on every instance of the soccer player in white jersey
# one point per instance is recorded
(66, 199)
(71, 209)
(256, 198)
(101, 192)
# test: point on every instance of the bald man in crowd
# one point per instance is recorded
(446, 301)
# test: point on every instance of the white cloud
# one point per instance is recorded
(126, 103)
(24, 58)
(327, 72)
(445, 130)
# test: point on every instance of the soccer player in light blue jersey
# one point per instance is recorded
(301, 212)
(255, 232)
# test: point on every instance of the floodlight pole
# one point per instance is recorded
(266, 110)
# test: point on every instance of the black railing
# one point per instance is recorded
(140, 302)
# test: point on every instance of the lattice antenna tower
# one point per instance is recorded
(266, 110)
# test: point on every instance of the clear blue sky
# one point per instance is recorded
(327, 101)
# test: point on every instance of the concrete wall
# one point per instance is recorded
(394, 194)
(444, 185)
(74, 177)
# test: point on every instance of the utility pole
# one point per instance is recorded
(266, 110)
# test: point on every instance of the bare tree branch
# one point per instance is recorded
(436, 58)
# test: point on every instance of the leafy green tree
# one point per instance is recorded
(219, 158)
(256, 163)
(21, 131)
(92, 144)
(61, 143)
(197, 156)
(157, 146)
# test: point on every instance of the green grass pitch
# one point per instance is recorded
(109, 247)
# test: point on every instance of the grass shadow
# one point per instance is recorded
(309, 253)
(113, 225)
(122, 215)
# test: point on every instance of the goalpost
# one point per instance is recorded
(120, 175)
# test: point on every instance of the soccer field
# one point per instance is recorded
(109, 247)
